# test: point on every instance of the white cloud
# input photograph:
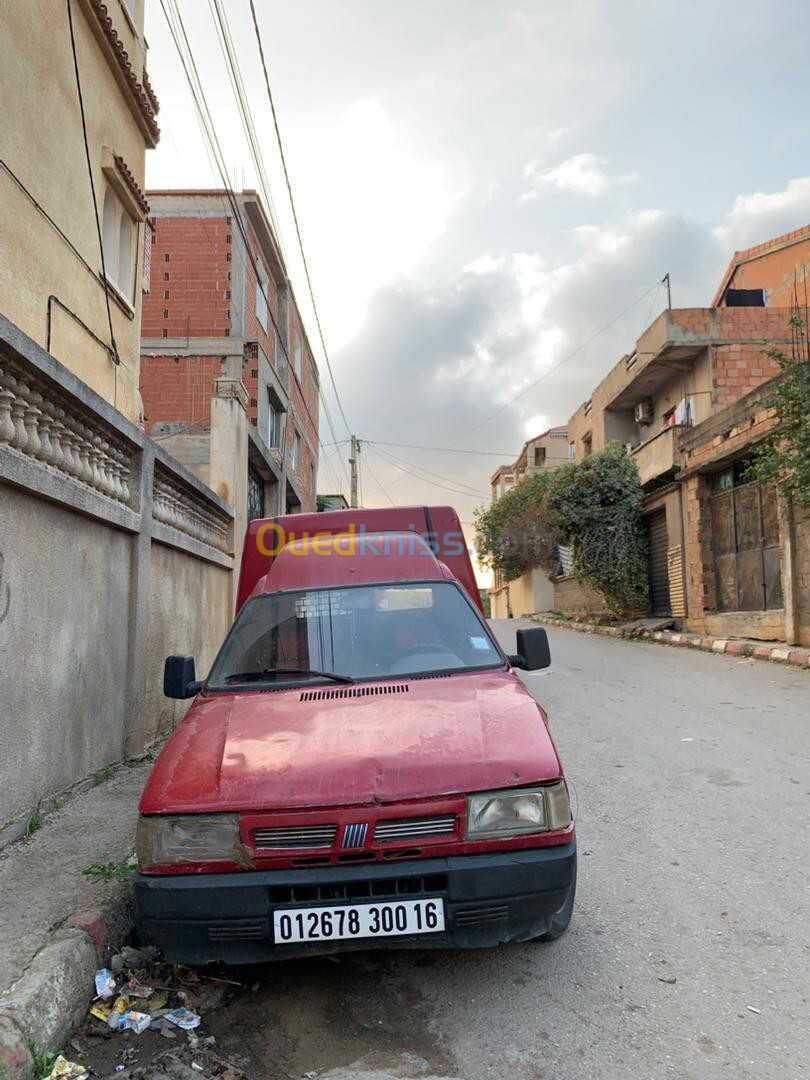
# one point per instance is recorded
(757, 217)
(535, 425)
(484, 264)
(557, 134)
(370, 207)
(583, 173)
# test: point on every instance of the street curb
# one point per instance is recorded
(779, 654)
(50, 999)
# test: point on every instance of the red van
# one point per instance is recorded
(361, 766)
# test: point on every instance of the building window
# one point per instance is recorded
(275, 424)
(295, 456)
(255, 499)
(572, 451)
(539, 455)
(118, 244)
(261, 304)
(298, 353)
(587, 445)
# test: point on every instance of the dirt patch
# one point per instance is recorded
(277, 1021)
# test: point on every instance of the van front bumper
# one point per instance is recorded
(488, 899)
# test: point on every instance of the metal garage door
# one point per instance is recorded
(657, 569)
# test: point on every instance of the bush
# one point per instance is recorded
(783, 458)
(596, 505)
(514, 534)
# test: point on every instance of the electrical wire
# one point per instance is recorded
(178, 32)
(223, 31)
(449, 479)
(115, 358)
(564, 359)
(378, 482)
(426, 479)
(295, 214)
(444, 449)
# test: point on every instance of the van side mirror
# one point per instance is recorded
(533, 650)
(179, 677)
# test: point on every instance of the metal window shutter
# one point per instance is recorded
(658, 569)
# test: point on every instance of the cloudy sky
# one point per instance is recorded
(484, 185)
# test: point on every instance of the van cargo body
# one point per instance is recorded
(438, 526)
(362, 767)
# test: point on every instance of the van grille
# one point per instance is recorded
(481, 915)
(294, 836)
(414, 828)
(241, 930)
(353, 691)
(356, 890)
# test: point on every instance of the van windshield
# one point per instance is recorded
(364, 632)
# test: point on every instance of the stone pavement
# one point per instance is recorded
(777, 651)
(56, 924)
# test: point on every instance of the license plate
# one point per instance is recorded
(388, 919)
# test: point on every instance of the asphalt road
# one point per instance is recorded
(689, 951)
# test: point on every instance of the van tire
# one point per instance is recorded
(559, 922)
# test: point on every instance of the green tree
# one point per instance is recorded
(596, 505)
(514, 534)
(783, 458)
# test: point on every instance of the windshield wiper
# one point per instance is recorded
(249, 676)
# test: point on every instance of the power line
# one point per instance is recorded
(430, 472)
(223, 31)
(114, 357)
(222, 28)
(444, 449)
(470, 493)
(294, 213)
(212, 142)
(377, 481)
(564, 359)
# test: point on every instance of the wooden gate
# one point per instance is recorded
(745, 539)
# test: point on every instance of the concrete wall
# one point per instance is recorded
(189, 605)
(574, 598)
(42, 147)
(112, 555)
(63, 647)
(526, 595)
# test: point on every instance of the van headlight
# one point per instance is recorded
(516, 811)
(172, 839)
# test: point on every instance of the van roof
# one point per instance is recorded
(342, 559)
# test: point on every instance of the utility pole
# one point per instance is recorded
(353, 461)
(665, 281)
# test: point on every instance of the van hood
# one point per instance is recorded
(319, 747)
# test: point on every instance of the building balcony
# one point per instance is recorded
(659, 458)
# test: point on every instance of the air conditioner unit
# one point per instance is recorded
(644, 412)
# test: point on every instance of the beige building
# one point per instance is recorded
(501, 481)
(52, 285)
(543, 453)
(532, 591)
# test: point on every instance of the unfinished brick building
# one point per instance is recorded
(219, 304)
(726, 556)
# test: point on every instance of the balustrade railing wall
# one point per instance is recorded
(111, 556)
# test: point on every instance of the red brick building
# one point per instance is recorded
(216, 301)
(727, 557)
